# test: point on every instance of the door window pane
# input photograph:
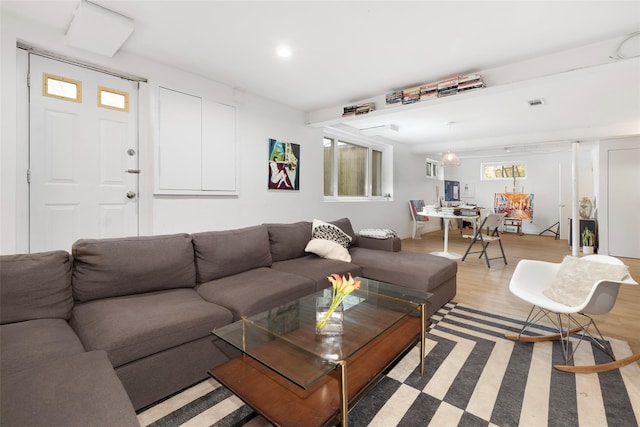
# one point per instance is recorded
(61, 87)
(113, 99)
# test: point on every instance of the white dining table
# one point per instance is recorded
(446, 217)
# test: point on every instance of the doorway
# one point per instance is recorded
(83, 154)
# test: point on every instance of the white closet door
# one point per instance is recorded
(624, 202)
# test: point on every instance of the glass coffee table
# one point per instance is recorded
(291, 376)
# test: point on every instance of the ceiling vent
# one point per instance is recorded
(534, 102)
(381, 130)
(98, 30)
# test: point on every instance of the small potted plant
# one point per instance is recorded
(587, 241)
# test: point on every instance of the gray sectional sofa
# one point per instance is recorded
(90, 337)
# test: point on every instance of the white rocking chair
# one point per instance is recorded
(529, 281)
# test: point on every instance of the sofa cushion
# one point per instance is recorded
(317, 268)
(105, 268)
(35, 286)
(223, 253)
(132, 327)
(256, 290)
(81, 390)
(24, 345)
(288, 241)
(420, 271)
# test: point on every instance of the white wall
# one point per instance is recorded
(259, 120)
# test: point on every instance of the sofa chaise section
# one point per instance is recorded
(75, 391)
(46, 377)
(135, 299)
(424, 272)
(384, 260)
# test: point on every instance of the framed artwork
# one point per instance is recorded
(284, 165)
(515, 205)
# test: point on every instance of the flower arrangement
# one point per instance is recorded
(342, 287)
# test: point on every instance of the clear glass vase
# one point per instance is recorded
(328, 324)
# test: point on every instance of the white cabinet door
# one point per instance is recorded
(197, 150)
(180, 141)
(218, 146)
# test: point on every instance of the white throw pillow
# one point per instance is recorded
(329, 241)
(576, 277)
(328, 249)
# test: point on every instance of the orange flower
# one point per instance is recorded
(343, 285)
(341, 288)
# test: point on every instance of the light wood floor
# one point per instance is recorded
(488, 289)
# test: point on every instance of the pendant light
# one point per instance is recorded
(450, 159)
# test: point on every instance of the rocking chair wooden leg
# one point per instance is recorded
(541, 338)
(603, 367)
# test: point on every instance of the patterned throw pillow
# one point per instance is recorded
(329, 241)
(324, 230)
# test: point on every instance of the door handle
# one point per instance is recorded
(131, 194)
(132, 171)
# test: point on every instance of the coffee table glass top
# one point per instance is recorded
(284, 339)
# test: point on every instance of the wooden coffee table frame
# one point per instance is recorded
(283, 403)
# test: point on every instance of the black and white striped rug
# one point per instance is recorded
(473, 377)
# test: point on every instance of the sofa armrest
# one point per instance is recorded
(393, 244)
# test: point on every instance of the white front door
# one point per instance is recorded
(83, 157)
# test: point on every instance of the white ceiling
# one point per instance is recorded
(344, 52)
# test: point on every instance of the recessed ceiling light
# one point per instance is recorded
(283, 52)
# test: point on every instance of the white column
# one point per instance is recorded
(575, 229)
(560, 205)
